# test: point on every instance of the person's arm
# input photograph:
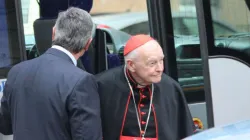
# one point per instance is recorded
(5, 116)
(84, 110)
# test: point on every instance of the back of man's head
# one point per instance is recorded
(73, 30)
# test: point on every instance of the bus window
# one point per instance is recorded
(11, 51)
(235, 15)
(229, 63)
(30, 12)
(120, 21)
(188, 57)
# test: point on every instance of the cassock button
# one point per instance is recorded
(143, 122)
(143, 113)
(141, 105)
(143, 96)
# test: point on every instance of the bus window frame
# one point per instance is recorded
(20, 29)
(206, 35)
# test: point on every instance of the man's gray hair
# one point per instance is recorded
(73, 29)
(131, 56)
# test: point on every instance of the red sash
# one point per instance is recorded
(135, 138)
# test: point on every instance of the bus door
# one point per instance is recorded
(174, 24)
(12, 48)
(226, 59)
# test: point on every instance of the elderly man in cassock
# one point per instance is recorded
(139, 101)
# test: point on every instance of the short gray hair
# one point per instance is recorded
(73, 29)
(131, 56)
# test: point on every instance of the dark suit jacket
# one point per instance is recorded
(48, 98)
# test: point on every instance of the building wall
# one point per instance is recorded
(113, 6)
(236, 13)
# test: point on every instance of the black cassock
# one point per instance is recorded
(170, 118)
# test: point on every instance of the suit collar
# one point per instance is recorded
(59, 53)
(66, 52)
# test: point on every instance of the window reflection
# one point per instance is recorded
(232, 13)
(187, 46)
(236, 15)
(120, 19)
(30, 12)
(9, 39)
(25, 10)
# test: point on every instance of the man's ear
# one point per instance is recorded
(53, 32)
(81, 53)
(130, 65)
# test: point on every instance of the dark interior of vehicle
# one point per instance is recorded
(11, 36)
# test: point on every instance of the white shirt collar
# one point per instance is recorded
(65, 51)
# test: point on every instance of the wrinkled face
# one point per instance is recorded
(148, 64)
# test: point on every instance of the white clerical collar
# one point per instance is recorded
(65, 51)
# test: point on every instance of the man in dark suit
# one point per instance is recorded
(49, 98)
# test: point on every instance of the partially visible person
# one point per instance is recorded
(139, 101)
(49, 98)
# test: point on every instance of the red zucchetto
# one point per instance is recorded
(135, 42)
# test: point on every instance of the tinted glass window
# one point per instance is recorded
(30, 12)
(188, 57)
(120, 20)
(234, 43)
(219, 28)
(191, 24)
(222, 30)
(25, 10)
(138, 28)
(10, 42)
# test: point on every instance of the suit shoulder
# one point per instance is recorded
(19, 66)
(78, 73)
